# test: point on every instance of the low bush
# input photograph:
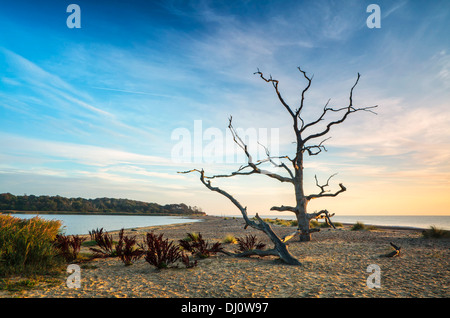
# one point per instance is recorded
(249, 243)
(229, 239)
(281, 222)
(191, 237)
(199, 247)
(359, 226)
(126, 249)
(105, 243)
(69, 246)
(160, 252)
(315, 224)
(26, 246)
(435, 232)
(187, 262)
(89, 243)
(94, 233)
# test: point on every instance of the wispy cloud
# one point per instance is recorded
(394, 7)
(46, 83)
(76, 153)
(130, 92)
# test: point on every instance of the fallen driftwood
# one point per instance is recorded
(394, 253)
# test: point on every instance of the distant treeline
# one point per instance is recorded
(30, 203)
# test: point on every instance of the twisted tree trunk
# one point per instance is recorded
(280, 249)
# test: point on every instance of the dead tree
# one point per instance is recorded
(306, 143)
(293, 168)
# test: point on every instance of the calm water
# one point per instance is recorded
(418, 221)
(82, 224)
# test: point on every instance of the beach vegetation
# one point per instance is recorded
(89, 243)
(249, 243)
(68, 246)
(19, 284)
(281, 222)
(26, 246)
(229, 239)
(359, 226)
(199, 247)
(191, 237)
(127, 249)
(435, 232)
(104, 242)
(187, 261)
(158, 251)
(95, 233)
(317, 224)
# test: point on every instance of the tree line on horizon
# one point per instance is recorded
(45, 203)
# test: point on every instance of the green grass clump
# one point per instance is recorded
(89, 243)
(435, 232)
(229, 239)
(26, 246)
(17, 285)
(281, 222)
(359, 226)
(191, 237)
(317, 224)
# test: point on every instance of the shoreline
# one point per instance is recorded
(95, 213)
(398, 227)
(391, 227)
(206, 217)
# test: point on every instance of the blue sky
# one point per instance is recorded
(91, 112)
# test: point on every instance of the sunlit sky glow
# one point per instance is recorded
(90, 112)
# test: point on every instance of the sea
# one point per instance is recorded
(411, 221)
(81, 223)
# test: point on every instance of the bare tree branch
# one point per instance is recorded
(275, 85)
(280, 247)
(323, 191)
(348, 110)
(303, 93)
(283, 208)
(322, 187)
(318, 148)
(251, 164)
(325, 109)
(324, 214)
(273, 252)
(234, 173)
(297, 233)
(281, 165)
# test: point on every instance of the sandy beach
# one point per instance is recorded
(334, 264)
